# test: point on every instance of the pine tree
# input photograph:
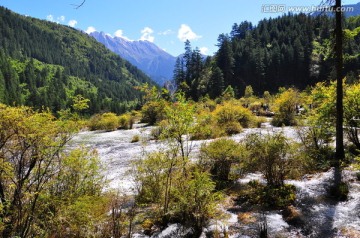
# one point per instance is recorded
(225, 59)
(216, 83)
(2, 88)
(179, 73)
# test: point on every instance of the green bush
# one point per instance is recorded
(270, 154)
(107, 121)
(94, 122)
(285, 108)
(259, 121)
(219, 156)
(136, 138)
(314, 152)
(206, 127)
(340, 191)
(195, 201)
(232, 127)
(126, 121)
(267, 196)
(153, 112)
(231, 112)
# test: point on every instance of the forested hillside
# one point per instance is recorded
(46, 64)
(292, 50)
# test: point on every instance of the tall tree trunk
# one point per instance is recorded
(339, 77)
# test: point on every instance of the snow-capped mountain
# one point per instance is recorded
(148, 57)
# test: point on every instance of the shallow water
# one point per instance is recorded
(322, 218)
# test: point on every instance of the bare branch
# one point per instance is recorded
(80, 5)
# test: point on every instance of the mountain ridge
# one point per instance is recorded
(45, 64)
(147, 56)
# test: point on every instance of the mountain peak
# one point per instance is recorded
(147, 56)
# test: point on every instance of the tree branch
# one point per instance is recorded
(80, 5)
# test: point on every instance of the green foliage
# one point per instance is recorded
(74, 204)
(270, 154)
(151, 178)
(285, 108)
(136, 138)
(126, 121)
(340, 191)
(195, 201)
(206, 127)
(46, 64)
(249, 92)
(352, 113)
(268, 197)
(106, 121)
(167, 183)
(80, 103)
(31, 160)
(293, 50)
(219, 156)
(315, 152)
(279, 197)
(233, 116)
(179, 123)
(228, 93)
(188, 71)
(153, 112)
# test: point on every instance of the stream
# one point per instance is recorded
(319, 216)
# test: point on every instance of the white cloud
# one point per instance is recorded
(204, 50)
(147, 34)
(61, 19)
(165, 33)
(50, 17)
(185, 33)
(72, 23)
(90, 29)
(119, 33)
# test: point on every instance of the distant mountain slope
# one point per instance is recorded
(46, 64)
(155, 62)
(355, 12)
(348, 13)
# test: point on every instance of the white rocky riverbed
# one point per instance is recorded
(321, 217)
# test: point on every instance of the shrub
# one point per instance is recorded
(285, 108)
(126, 121)
(339, 191)
(206, 127)
(293, 216)
(267, 196)
(153, 112)
(232, 117)
(315, 152)
(218, 157)
(352, 113)
(107, 121)
(136, 138)
(259, 121)
(195, 201)
(271, 155)
(94, 122)
(232, 127)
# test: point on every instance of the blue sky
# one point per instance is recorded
(167, 23)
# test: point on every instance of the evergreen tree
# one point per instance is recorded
(179, 74)
(225, 59)
(2, 88)
(216, 83)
